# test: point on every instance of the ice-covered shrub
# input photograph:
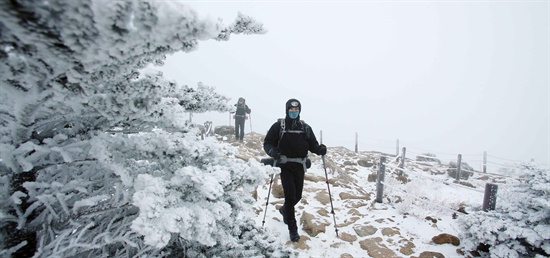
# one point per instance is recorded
(72, 183)
(520, 224)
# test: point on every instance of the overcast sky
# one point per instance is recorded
(444, 77)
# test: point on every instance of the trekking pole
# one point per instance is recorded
(249, 115)
(267, 202)
(330, 196)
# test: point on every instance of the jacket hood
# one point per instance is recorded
(293, 103)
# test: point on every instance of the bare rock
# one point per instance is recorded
(446, 239)
(224, 130)
(301, 244)
(365, 163)
(323, 212)
(407, 248)
(364, 230)
(311, 226)
(348, 196)
(433, 220)
(313, 178)
(390, 232)
(349, 163)
(372, 177)
(354, 212)
(465, 172)
(429, 254)
(376, 249)
(348, 237)
(428, 157)
(348, 222)
(322, 197)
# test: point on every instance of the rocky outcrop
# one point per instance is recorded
(224, 130)
(446, 239)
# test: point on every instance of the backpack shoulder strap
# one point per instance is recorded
(306, 128)
(281, 129)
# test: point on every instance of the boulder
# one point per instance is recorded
(224, 130)
(446, 239)
(311, 226)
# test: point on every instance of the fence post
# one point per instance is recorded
(458, 165)
(380, 180)
(397, 148)
(402, 161)
(321, 134)
(484, 162)
(490, 198)
(207, 129)
(356, 143)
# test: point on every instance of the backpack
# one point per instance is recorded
(306, 130)
(305, 127)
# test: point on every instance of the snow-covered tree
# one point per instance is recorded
(520, 224)
(72, 73)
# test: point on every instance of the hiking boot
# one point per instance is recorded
(294, 237)
(282, 211)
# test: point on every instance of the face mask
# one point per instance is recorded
(293, 114)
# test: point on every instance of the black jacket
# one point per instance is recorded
(292, 145)
(242, 109)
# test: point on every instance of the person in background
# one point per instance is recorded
(240, 116)
(288, 142)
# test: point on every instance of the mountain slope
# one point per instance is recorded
(398, 227)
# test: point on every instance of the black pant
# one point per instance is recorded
(292, 179)
(239, 127)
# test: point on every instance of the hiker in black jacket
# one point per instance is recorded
(240, 117)
(288, 142)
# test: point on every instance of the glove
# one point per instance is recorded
(322, 150)
(282, 159)
(274, 154)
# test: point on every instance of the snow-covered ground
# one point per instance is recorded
(403, 225)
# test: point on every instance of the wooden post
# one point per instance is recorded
(380, 180)
(402, 161)
(397, 148)
(484, 162)
(321, 135)
(458, 163)
(356, 143)
(490, 198)
(207, 129)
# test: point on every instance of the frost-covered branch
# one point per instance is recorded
(72, 70)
